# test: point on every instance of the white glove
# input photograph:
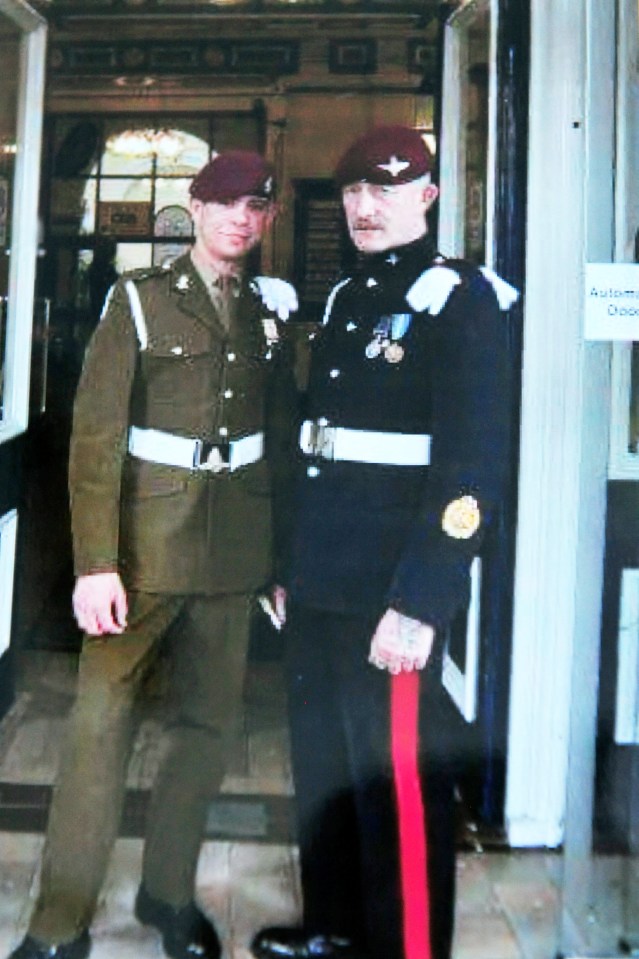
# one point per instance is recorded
(279, 296)
(431, 290)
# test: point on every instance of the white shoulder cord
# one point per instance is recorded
(331, 299)
(137, 313)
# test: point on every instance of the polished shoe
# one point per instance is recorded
(283, 942)
(30, 948)
(186, 933)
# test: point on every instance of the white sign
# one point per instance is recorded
(612, 301)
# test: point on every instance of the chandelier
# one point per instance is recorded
(167, 144)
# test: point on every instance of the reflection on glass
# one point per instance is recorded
(145, 149)
(133, 256)
(125, 207)
(633, 419)
(129, 188)
(171, 193)
(76, 147)
(122, 153)
(171, 221)
(39, 356)
(3, 349)
(10, 59)
(72, 206)
(475, 108)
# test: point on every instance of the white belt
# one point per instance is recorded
(364, 446)
(156, 446)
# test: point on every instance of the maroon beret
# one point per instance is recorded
(233, 174)
(385, 155)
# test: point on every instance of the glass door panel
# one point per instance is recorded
(600, 907)
(22, 50)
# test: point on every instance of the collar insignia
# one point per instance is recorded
(395, 166)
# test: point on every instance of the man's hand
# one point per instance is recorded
(401, 643)
(279, 603)
(99, 604)
(275, 606)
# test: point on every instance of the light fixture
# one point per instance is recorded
(167, 144)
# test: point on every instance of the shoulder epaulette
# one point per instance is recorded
(431, 290)
(144, 273)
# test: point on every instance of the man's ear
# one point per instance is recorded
(195, 207)
(272, 212)
(431, 192)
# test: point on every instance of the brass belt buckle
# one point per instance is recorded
(322, 441)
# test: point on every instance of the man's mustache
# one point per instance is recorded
(367, 225)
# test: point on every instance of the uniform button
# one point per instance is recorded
(228, 394)
(230, 357)
(350, 326)
(224, 431)
(334, 374)
(313, 471)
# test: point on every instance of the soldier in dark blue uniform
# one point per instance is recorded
(402, 459)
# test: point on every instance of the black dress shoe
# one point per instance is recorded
(30, 948)
(186, 933)
(282, 942)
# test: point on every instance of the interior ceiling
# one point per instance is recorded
(237, 38)
(277, 13)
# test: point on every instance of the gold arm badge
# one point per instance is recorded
(461, 518)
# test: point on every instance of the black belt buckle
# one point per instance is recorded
(211, 456)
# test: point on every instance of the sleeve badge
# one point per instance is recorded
(461, 518)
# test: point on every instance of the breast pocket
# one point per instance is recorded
(183, 362)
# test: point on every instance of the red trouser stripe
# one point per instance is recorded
(410, 805)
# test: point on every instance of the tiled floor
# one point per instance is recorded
(507, 905)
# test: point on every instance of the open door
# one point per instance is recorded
(23, 43)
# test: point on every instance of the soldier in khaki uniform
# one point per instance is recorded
(180, 419)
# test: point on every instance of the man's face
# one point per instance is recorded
(227, 230)
(382, 217)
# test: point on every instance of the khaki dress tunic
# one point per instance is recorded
(191, 547)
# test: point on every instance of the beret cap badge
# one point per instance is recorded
(461, 518)
(385, 155)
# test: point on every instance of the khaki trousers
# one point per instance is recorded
(208, 645)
